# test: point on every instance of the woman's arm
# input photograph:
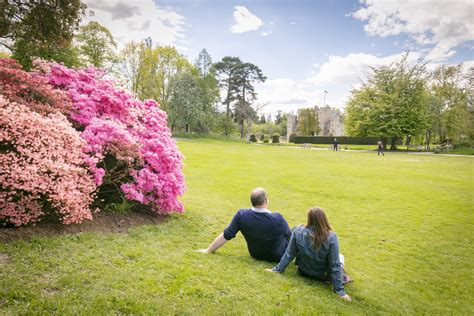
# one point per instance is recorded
(335, 268)
(289, 255)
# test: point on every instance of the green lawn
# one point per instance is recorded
(405, 225)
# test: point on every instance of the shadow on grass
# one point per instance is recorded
(103, 222)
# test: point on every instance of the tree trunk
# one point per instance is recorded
(428, 139)
(242, 120)
(442, 138)
(393, 145)
(226, 129)
(187, 128)
(408, 141)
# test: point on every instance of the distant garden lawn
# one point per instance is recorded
(405, 225)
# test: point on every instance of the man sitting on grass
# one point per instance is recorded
(266, 233)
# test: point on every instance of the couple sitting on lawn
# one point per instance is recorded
(269, 238)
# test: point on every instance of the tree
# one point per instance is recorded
(268, 128)
(209, 86)
(449, 104)
(138, 69)
(262, 119)
(203, 63)
(281, 121)
(392, 103)
(247, 74)
(155, 73)
(469, 89)
(308, 123)
(227, 71)
(169, 63)
(185, 107)
(96, 45)
(279, 117)
(243, 112)
(132, 64)
(40, 28)
(150, 72)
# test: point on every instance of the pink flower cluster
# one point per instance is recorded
(57, 128)
(116, 122)
(41, 167)
(31, 88)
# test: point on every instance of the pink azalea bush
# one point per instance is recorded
(147, 164)
(31, 89)
(70, 140)
(42, 167)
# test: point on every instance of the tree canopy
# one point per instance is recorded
(308, 123)
(96, 45)
(40, 28)
(392, 103)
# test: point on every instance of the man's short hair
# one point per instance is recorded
(258, 197)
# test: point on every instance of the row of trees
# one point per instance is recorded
(268, 127)
(404, 100)
(190, 93)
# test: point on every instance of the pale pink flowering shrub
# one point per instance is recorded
(42, 167)
(128, 141)
(31, 89)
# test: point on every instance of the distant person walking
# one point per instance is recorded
(380, 148)
(334, 144)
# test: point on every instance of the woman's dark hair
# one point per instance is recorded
(319, 222)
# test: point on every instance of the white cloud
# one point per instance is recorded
(245, 21)
(352, 68)
(137, 20)
(266, 33)
(288, 95)
(442, 24)
(339, 75)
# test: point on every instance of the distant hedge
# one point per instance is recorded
(342, 140)
(275, 138)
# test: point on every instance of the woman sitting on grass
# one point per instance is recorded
(316, 249)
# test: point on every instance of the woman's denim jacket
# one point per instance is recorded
(320, 264)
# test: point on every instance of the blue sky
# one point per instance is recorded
(303, 47)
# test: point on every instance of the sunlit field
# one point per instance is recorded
(405, 225)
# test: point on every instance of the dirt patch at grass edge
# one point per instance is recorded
(103, 222)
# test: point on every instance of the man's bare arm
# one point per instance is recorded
(216, 244)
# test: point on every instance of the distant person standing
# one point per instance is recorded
(380, 148)
(334, 144)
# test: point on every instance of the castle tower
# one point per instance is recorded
(291, 124)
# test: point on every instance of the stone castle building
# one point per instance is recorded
(330, 122)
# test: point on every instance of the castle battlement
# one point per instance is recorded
(330, 121)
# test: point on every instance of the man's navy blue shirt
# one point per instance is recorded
(266, 233)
